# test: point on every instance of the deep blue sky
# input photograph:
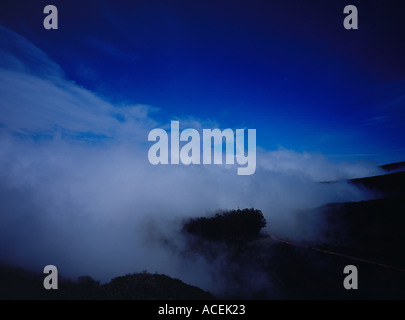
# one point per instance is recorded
(286, 68)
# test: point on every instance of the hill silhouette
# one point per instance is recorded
(147, 286)
(17, 283)
(394, 166)
(384, 185)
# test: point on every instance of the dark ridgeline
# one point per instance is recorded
(18, 284)
(397, 166)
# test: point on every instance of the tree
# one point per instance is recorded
(228, 226)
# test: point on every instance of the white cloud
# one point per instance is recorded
(315, 166)
(36, 98)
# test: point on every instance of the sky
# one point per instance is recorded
(77, 104)
(285, 68)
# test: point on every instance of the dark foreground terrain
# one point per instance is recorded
(21, 284)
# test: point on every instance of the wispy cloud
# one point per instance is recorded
(36, 98)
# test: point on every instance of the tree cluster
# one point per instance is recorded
(228, 226)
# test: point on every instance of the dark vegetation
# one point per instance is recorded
(229, 226)
(224, 240)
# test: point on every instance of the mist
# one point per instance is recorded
(103, 210)
(77, 189)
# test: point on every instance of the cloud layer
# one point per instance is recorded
(77, 189)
